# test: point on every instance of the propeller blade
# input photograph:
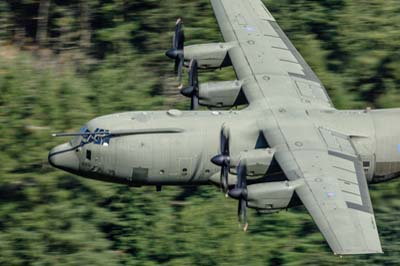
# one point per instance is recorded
(242, 214)
(242, 174)
(176, 66)
(240, 193)
(193, 90)
(224, 141)
(179, 36)
(225, 149)
(194, 104)
(179, 67)
(224, 178)
(193, 73)
(177, 50)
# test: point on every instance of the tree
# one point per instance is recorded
(43, 20)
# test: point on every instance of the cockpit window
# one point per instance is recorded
(89, 155)
(76, 141)
(98, 137)
(102, 137)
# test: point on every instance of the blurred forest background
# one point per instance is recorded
(63, 63)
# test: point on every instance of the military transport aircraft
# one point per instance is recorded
(288, 147)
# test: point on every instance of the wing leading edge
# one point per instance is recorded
(263, 56)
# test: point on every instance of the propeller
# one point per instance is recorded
(223, 159)
(176, 52)
(240, 193)
(192, 91)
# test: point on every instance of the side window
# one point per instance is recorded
(89, 155)
(366, 164)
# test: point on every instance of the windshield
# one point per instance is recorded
(76, 141)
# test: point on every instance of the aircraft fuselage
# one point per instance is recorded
(184, 158)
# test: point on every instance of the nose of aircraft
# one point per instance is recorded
(64, 157)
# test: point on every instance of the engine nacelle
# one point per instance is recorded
(222, 94)
(209, 55)
(257, 162)
(270, 197)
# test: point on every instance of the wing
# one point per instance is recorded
(263, 56)
(332, 184)
(334, 190)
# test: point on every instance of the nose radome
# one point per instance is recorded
(64, 157)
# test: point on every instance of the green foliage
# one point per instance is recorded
(51, 218)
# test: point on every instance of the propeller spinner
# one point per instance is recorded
(177, 50)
